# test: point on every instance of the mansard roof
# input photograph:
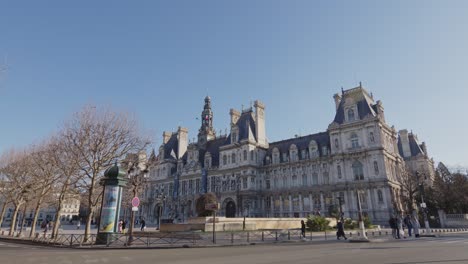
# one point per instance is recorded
(212, 147)
(364, 101)
(245, 123)
(172, 146)
(414, 145)
(322, 139)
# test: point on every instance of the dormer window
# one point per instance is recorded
(350, 115)
(313, 149)
(234, 137)
(276, 156)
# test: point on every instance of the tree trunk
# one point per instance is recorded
(13, 220)
(23, 219)
(88, 223)
(2, 214)
(57, 217)
(36, 215)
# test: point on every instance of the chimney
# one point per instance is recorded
(424, 148)
(380, 110)
(337, 98)
(405, 143)
(234, 116)
(182, 137)
(166, 136)
(260, 122)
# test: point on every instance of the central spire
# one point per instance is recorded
(206, 131)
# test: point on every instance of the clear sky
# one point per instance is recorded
(159, 59)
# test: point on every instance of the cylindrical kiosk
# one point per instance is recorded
(114, 180)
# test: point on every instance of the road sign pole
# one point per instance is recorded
(214, 226)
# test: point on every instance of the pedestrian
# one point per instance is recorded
(340, 230)
(392, 224)
(303, 229)
(119, 226)
(407, 222)
(401, 232)
(124, 224)
(415, 224)
(78, 224)
(143, 225)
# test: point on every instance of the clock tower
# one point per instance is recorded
(206, 131)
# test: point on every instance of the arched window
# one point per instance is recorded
(338, 170)
(326, 178)
(234, 137)
(380, 196)
(294, 181)
(252, 155)
(245, 155)
(224, 159)
(358, 171)
(350, 115)
(314, 178)
(354, 141)
(276, 156)
(376, 168)
(337, 145)
(233, 158)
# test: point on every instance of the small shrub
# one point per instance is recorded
(317, 223)
(206, 198)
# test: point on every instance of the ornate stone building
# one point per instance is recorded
(290, 178)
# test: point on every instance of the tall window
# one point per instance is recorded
(224, 159)
(376, 168)
(285, 182)
(245, 155)
(244, 183)
(350, 115)
(233, 157)
(338, 170)
(275, 182)
(267, 184)
(294, 180)
(358, 171)
(354, 141)
(337, 145)
(252, 155)
(380, 196)
(314, 178)
(304, 180)
(197, 186)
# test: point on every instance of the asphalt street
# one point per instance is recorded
(447, 249)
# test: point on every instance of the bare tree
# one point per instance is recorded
(96, 139)
(409, 187)
(15, 167)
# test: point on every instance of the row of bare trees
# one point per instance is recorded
(71, 162)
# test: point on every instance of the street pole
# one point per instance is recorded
(361, 222)
(214, 226)
(424, 209)
(341, 209)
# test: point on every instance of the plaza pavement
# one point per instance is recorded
(449, 248)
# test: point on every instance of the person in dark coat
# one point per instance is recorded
(143, 224)
(340, 231)
(303, 228)
(393, 224)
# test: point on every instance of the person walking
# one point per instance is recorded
(78, 224)
(340, 231)
(119, 226)
(124, 224)
(143, 225)
(303, 229)
(407, 222)
(392, 224)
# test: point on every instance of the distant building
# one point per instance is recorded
(295, 177)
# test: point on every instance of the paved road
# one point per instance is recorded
(447, 249)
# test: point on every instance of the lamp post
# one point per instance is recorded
(423, 204)
(137, 173)
(160, 199)
(361, 221)
(341, 208)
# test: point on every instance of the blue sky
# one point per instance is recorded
(159, 59)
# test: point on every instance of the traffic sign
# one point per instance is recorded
(135, 202)
(135, 209)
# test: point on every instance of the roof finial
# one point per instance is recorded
(360, 85)
(342, 91)
(242, 107)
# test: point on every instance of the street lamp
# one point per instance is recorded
(361, 220)
(423, 204)
(160, 200)
(137, 174)
(341, 208)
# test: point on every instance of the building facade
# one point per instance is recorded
(359, 152)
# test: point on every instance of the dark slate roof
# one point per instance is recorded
(364, 102)
(171, 145)
(213, 146)
(246, 122)
(322, 139)
(415, 147)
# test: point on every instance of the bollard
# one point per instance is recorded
(263, 238)
(358, 234)
(386, 233)
(71, 241)
(248, 237)
(350, 234)
(232, 237)
(276, 235)
(289, 235)
(325, 234)
(380, 233)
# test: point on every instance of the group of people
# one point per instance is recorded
(398, 223)
(339, 233)
(122, 225)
